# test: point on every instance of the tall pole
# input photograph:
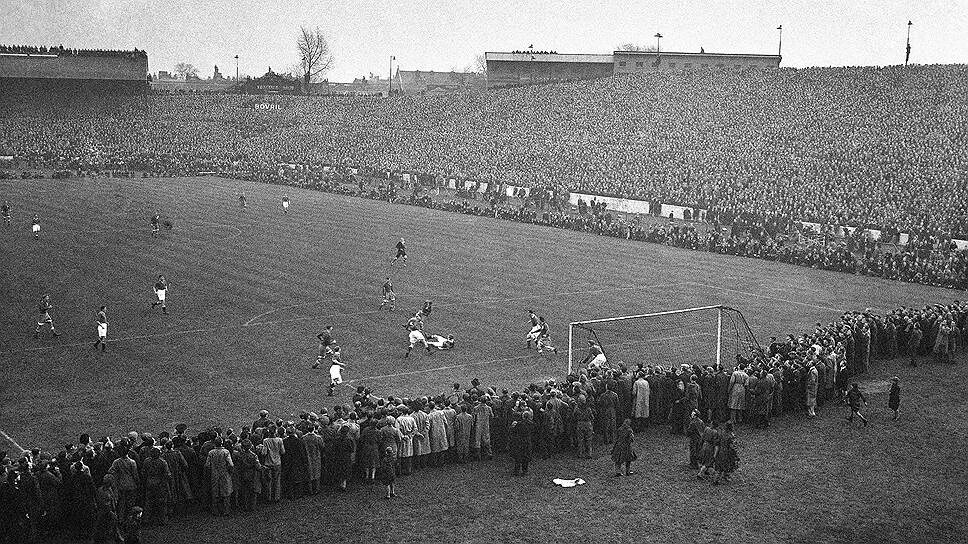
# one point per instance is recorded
(390, 78)
(658, 37)
(779, 50)
(907, 51)
(719, 336)
(238, 83)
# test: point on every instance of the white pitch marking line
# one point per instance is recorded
(12, 441)
(757, 295)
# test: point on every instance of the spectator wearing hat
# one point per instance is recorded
(421, 439)
(295, 461)
(725, 459)
(315, 446)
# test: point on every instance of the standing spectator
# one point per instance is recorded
(855, 401)
(640, 401)
(274, 451)
(481, 435)
(343, 451)
(737, 394)
(126, 478)
(521, 445)
(315, 445)
(695, 435)
(106, 524)
(408, 428)
(219, 463)
(387, 472)
(250, 482)
(607, 407)
(725, 457)
(463, 427)
(294, 465)
(157, 477)
(622, 452)
(894, 398)
(437, 427)
(813, 381)
(584, 418)
(179, 489)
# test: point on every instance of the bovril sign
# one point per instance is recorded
(267, 106)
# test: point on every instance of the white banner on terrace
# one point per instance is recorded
(624, 205)
(511, 189)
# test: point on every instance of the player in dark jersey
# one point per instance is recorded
(535, 328)
(389, 298)
(161, 291)
(401, 253)
(155, 220)
(43, 316)
(5, 212)
(242, 203)
(102, 329)
(325, 342)
(428, 307)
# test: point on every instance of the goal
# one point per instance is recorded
(707, 335)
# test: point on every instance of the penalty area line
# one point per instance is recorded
(12, 441)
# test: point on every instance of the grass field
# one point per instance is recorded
(251, 289)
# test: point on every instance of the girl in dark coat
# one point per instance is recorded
(343, 450)
(894, 400)
(369, 454)
(710, 437)
(622, 452)
(521, 445)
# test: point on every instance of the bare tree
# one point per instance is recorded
(480, 64)
(316, 58)
(635, 47)
(186, 70)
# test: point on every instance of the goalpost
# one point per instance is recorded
(704, 336)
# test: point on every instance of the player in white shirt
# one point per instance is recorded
(335, 369)
(535, 331)
(440, 342)
(416, 336)
(285, 204)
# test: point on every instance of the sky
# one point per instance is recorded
(446, 35)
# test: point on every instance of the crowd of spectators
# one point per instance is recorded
(753, 152)
(98, 487)
(61, 50)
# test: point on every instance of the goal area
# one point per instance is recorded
(704, 336)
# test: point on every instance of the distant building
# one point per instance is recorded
(526, 68)
(361, 86)
(168, 82)
(272, 83)
(422, 82)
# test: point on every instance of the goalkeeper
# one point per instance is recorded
(595, 358)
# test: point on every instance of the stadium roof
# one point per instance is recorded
(549, 57)
(653, 53)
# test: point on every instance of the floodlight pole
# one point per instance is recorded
(907, 50)
(390, 78)
(779, 49)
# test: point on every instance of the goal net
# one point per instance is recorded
(707, 335)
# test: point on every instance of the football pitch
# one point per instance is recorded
(250, 289)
